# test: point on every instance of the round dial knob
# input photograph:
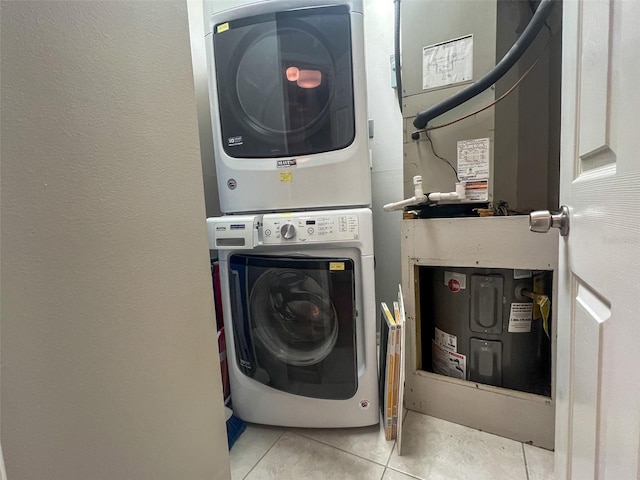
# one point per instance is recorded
(288, 231)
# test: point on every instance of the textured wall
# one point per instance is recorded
(108, 352)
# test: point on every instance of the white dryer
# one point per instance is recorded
(288, 104)
(299, 313)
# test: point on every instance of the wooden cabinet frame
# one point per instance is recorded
(492, 242)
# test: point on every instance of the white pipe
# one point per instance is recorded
(405, 203)
(459, 194)
(419, 197)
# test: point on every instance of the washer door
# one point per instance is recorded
(285, 83)
(293, 315)
(294, 323)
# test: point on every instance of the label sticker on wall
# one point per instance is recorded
(477, 191)
(447, 63)
(473, 159)
(286, 177)
(336, 266)
(520, 317)
(455, 281)
(446, 340)
(448, 363)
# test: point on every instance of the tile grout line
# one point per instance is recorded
(524, 456)
(264, 454)
(339, 449)
(386, 465)
(395, 443)
(410, 475)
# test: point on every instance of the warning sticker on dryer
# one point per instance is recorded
(520, 317)
(286, 177)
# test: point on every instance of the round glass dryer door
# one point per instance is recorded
(297, 104)
(285, 83)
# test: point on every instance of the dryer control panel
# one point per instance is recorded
(304, 227)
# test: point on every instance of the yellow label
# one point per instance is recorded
(286, 177)
(223, 27)
(336, 266)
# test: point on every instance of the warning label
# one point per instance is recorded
(520, 317)
(446, 362)
(446, 340)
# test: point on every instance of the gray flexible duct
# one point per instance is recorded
(512, 56)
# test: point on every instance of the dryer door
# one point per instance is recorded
(284, 83)
(295, 316)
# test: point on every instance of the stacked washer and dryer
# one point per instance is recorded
(288, 102)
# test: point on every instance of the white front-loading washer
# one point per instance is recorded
(299, 312)
(288, 104)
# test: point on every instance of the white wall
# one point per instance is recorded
(108, 348)
(386, 146)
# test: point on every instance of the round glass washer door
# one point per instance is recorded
(293, 317)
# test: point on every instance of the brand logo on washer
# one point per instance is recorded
(364, 404)
(232, 184)
(286, 163)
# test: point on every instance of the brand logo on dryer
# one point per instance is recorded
(286, 163)
(235, 141)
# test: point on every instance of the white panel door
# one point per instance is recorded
(598, 354)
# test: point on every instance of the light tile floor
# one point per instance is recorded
(433, 449)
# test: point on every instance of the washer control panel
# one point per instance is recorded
(279, 228)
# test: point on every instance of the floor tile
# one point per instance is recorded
(295, 457)
(390, 474)
(539, 463)
(434, 449)
(251, 447)
(366, 442)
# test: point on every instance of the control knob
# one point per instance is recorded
(288, 231)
